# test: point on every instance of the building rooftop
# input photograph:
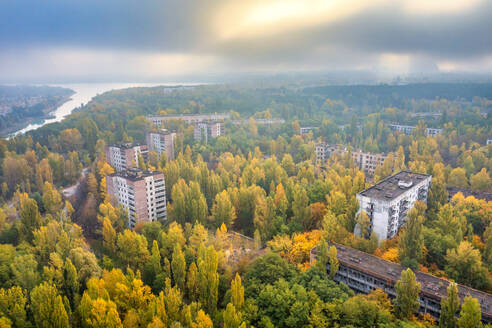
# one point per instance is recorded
(134, 174)
(466, 192)
(394, 186)
(191, 115)
(126, 145)
(429, 284)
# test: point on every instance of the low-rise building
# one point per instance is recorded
(162, 141)
(125, 156)
(205, 130)
(323, 151)
(157, 120)
(388, 202)
(363, 273)
(141, 193)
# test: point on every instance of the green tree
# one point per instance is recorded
(208, 278)
(178, 266)
(470, 314)
(237, 292)
(51, 199)
(411, 245)
(47, 307)
(449, 307)
(222, 210)
(333, 260)
(109, 236)
(13, 303)
(133, 249)
(71, 284)
(481, 181)
(464, 264)
(30, 218)
(407, 294)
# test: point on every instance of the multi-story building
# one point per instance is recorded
(206, 130)
(141, 193)
(388, 202)
(408, 129)
(188, 118)
(124, 156)
(162, 141)
(366, 162)
(363, 272)
(306, 129)
(323, 151)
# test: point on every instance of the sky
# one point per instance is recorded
(81, 40)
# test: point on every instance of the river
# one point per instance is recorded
(84, 92)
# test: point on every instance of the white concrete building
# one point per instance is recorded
(388, 202)
(157, 120)
(408, 129)
(125, 156)
(206, 130)
(162, 141)
(141, 193)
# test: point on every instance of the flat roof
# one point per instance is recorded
(127, 145)
(190, 115)
(134, 174)
(390, 187)
(429, 284)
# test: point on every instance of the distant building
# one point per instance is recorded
(408, 129)
(489, 141)
(466, 192)
(306, 129)
(162, 141)
(188, 118)
(363, 273)
(366, 161)
(387, 203)
(261, 121)
(141, 193)
(125, 156)
(206, 130)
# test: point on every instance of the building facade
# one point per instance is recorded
(408, 129)
(141, 193)
(125, 156)
(363, 273)
(387, 203)
(205, 130)
(366, 162)
(162, 141)
(157, 120)
(307, 129)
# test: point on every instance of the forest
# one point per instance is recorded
(72, 262)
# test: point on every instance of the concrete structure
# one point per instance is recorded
(388, 202)
(366, 162)
(188, 118)
(162, 141)
(141, 193)
(363, 272)
(408, 129)
(207, 130)
(306, 129)
(489, 141)
(125, 156)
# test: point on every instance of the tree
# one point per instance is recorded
(470, 314)
(30, 217)
(47, 307)
(300, 208)
(109, 236)
(191, 282)
(481, 181)
(457, 178)
(407, 294)
(178, 266)
(208, 278)
(13, 306)
(464, 264)
(71, 284)
(232, 319)
(322, 255)
(333, 260)
(237, 292)
(222, 210)
(449, 307)
(411, 245)
(133, 249)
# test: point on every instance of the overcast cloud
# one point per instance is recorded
(129, 39)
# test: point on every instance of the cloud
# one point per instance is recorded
(164, 38)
